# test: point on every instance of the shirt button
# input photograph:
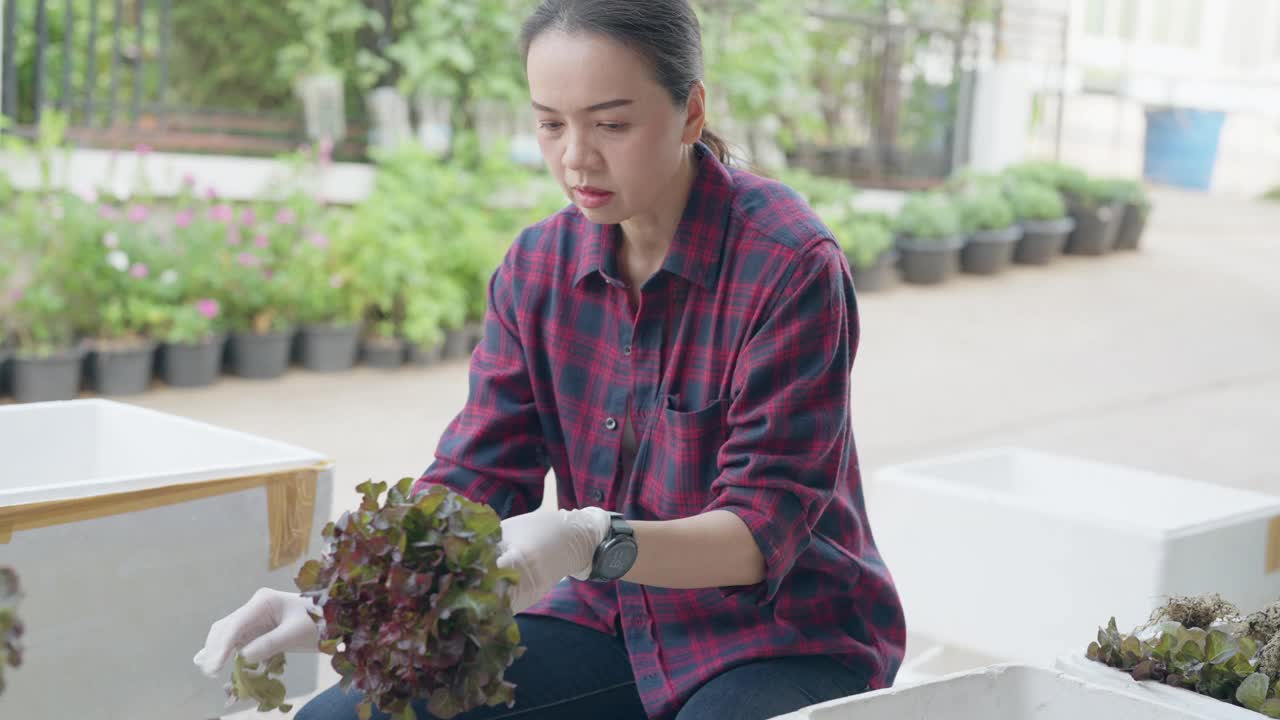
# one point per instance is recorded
(596, 494)
(626, 349)
(611, 424)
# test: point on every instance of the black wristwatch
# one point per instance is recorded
(616, 554)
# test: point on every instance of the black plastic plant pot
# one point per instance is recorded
(1042, 240)
(929, 262)
(990, 251)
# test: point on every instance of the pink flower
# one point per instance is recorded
(233, 235)
(15, 295)
(208, 308)
(138, 213)
(336, 282)
(268, 273)
(143, 149)
(326, 152)
(248, 218)
(188, 180)
(184, 218)
(111, 240)
(248, 260)
(286, 216)
(261, 240)
(319, 240)
(222, 213)
(106, 212)
(139, 271)
(90, 195)
(211, 193)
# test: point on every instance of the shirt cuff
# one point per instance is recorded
(779, 531)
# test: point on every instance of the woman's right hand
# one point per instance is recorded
(271, 622)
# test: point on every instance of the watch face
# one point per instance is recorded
(618, 559)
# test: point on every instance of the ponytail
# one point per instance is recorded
(718, 146)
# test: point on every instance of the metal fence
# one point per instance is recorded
(894, 95)
(897, 101)
(104, 65)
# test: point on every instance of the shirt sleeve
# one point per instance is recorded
(493, 452)
(789, 441)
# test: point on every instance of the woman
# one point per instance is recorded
(677, 346)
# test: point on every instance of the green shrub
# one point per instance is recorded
(928, 216)
(1060, 176)
(1035, 201)
(1127, 191)
(985, 209)
(865, 238)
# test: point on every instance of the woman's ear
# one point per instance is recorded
(695, 113)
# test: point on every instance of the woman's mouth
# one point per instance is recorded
(591, 197)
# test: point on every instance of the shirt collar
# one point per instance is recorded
(695, 249)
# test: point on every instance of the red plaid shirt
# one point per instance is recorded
(734, 369)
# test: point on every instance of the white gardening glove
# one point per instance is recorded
(271, 622)
(546, 546)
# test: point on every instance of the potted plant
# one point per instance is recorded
(929, 237)
(312, 63)
(993, 228)
(259, 305)
(867, 241)
(424, 317)
(329, 306)
(47, 360)
(382, 346)
(1097, 212)
(1137, 208)
(1043, 217)
(386, 254)
(9, 294)
(192, 342)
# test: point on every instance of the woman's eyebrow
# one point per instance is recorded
(611, 104)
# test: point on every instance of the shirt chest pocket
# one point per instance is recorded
(683, 449)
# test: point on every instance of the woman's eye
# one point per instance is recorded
(614, 127)
(549, 125)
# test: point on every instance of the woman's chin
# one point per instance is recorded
(607, 215)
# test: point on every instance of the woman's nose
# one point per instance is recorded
(578, 153)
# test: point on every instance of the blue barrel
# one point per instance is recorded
(1182, 146)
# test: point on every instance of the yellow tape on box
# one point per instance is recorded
(291, 499)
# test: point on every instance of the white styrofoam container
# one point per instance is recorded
(999, 692)
(115, 607)
(1021, 555)
(1078, 665)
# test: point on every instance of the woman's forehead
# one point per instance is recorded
(573, 73)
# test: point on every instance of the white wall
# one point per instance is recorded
(1211, 53)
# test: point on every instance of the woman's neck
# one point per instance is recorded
(647, 237)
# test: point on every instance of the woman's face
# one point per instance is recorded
(609, 132)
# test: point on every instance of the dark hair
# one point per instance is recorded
(664, 32)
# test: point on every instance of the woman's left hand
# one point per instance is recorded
(546, 546)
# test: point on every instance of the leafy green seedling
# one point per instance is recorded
(1201, 644)
(414, 606)
(10, 625)
(249, 681)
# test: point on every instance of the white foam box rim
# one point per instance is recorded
(1229, 505)
(1000, 692)
(180, 451)
(1005, 537)
(1099, 674)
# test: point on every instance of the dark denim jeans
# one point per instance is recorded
(572, 673)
